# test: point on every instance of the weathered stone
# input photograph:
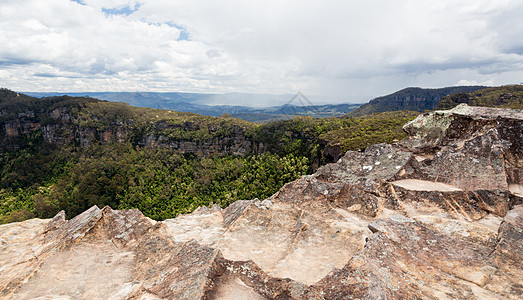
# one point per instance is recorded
(245, 280)
(405, 259)
(17, 241)
(105, 254)
(458, 204)
(438, 216)
(378, 162)
(278, 237)
(508, 255)
(510, 245)
(473, 148)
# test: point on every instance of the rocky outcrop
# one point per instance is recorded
(420, 219)
(474, 148)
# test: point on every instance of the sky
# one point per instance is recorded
(330, 50)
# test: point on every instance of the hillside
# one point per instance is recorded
(289, 111)
(413, 98)
(438, 215)
(213, 104)
(76, 121)
(69, 153)
(504, 96)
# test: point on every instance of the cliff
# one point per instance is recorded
(76, 121)
(413, 98)
(438, 215)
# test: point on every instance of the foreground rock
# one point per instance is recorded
(437, 216)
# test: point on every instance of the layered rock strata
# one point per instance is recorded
(437, 216)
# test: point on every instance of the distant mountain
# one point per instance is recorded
(412, 98)
(172, 99)
(141, 99)
(203, 104)
(183, 102)
(285, 112)
(503, 96)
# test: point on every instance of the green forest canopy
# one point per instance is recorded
(38, 178)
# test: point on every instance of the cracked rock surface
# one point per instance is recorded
(438, 215)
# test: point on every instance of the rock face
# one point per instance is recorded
(474, 148)
(65, 121)
(437, 216)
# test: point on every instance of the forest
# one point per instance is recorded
(46, 165)
(70, 153)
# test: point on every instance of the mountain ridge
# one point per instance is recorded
(199, 103)
(510, 96)
(411, 98)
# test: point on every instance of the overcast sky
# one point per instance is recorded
(351, 51)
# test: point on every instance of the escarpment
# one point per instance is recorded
(67, 121)
(438, 215)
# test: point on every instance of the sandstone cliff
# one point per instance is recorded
(66, 121)
(438, 215)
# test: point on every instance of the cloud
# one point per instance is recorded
(351, 51)
(124, 10)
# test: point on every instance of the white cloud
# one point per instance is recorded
(350, 50)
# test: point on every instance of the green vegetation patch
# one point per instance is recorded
(359, 133)
(309, 136)
(159, 182)
(80, 168)
(509, 96)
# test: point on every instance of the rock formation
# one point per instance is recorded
(438, 215)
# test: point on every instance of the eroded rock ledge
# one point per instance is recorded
(437, 216)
